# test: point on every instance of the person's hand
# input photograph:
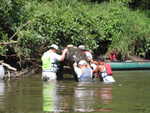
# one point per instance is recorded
(65, 50)
(75, 64)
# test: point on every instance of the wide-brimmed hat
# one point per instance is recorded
(54, 46)
(83, 62)
(70, 45)
(81, 47)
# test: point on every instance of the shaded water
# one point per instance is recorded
(131, 93)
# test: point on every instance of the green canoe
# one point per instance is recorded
(129, 65)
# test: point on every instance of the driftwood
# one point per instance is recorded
(7, 69)
(8, 43)
(25, 72)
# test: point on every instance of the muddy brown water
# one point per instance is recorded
(130, 93)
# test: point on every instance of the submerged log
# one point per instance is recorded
(9, 67)
(5, 70)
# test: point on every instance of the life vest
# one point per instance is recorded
(108, 69)
(103, 67)
(46, 61)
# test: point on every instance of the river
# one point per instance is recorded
(130, 93)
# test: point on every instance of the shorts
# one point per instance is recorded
(48, 76)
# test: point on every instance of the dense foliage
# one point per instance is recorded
(101, 25)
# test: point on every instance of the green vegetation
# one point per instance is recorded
(101, 25)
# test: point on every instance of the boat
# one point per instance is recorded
(132, 65)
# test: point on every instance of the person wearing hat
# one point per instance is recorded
(88, 54)
(83, 71)
(50, 61)
(103, 70)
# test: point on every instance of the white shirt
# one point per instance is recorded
(78, 71)
(54, 57)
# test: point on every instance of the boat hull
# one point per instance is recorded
(130, 65)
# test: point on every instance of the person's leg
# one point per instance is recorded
(60, 73)
(45, 76)
(48, 76)
(52, 76)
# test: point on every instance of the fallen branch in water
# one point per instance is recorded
(8, 43)
(9, 67)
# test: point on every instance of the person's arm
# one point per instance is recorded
(62, 56)
(77, 70)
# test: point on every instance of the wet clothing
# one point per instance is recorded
(46, 76)
(104, 71)
(105, 75)
(50, 61)
(84, 75)
(50, 65)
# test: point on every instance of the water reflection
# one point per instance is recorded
(106, 94)
(2, 86)
(31, 95)
(20, 96)
(89, 98)
(84, 98)
(76, 97)
(49, 96)
(2, 92)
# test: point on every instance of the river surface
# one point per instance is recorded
(130, 94)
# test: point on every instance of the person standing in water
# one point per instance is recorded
(83, 71)
(103, 70)
(87, 53)
(50, 61)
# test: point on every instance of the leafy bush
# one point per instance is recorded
(101, 27)
(74, 22)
